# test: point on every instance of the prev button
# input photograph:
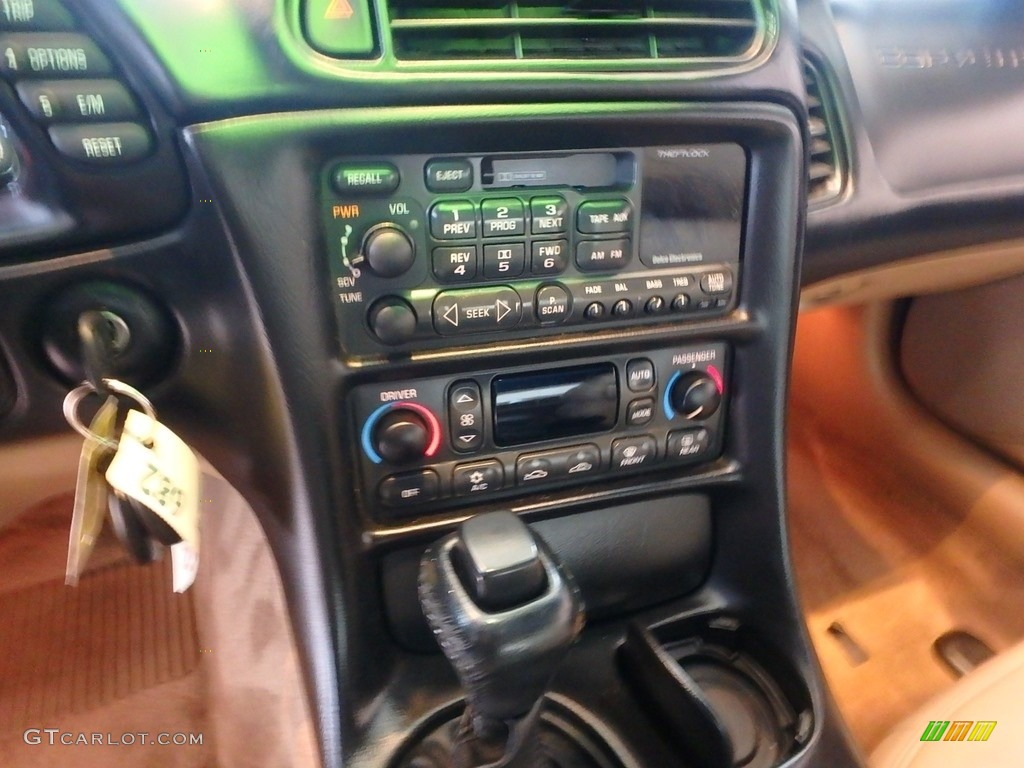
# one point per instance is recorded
(476, 310)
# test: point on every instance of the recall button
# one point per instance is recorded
(102, 143)
(476, 310)
(410, 488)
(634, 452)
(604, 216)
(366, 178)
(552, 304)
(448, 175)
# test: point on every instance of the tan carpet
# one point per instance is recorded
(117, 654)
(896, 569)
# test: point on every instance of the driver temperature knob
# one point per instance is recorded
(695, 395)
(402, 435)
(388, 250)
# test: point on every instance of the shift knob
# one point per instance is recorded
(503, 611)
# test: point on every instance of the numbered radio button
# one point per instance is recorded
(503, 261)
(549, 257)
(466, 416)
(453, 220)
(549, 215)
(503, 218)
(455, 265)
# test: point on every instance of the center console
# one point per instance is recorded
(579, 314)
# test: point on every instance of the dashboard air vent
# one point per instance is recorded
(826, 168)
(707, 31)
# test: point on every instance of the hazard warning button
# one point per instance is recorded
(340, 27)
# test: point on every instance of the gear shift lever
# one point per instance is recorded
(505, 613)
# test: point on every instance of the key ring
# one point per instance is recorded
(83, 390)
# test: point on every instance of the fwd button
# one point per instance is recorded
(476, 310)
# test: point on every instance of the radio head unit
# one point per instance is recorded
(424, 249)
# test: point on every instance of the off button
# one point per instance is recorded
(552, 304)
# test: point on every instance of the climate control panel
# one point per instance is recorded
(440, 442)
(427, 250)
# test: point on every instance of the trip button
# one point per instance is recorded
(688, 445)
(549, 257)
(503, 218)
(481, 477)
(640, 375)
(640, 412)
(366, 179)
(602, 255)
(503, 261)
(455, 265)
(634, 452)
(548, 215)
(453, 220)
(604, 216)
(552, 304)
(410, 488)
(476, 310)
(448, 175)
(47, 15)
(465, 416)
(102, 143)
(52, 54)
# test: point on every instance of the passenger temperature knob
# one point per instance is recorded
(695, 395)
(388, 250)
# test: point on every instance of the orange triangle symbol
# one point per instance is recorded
(339, 9)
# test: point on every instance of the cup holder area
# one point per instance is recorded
(725, 699)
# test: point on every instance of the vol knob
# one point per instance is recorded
(402, 435)
(388, 250)
(695, 395)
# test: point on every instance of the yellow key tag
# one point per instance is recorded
(90, 492)
(156, 468)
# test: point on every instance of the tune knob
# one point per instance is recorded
(388, 250)
(403, 435)
(695, 395)
(392, 320)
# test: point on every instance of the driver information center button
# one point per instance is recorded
(476, 310)
(564, 463)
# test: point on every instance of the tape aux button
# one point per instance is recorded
(477, 310)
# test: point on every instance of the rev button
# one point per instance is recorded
(476, 310)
